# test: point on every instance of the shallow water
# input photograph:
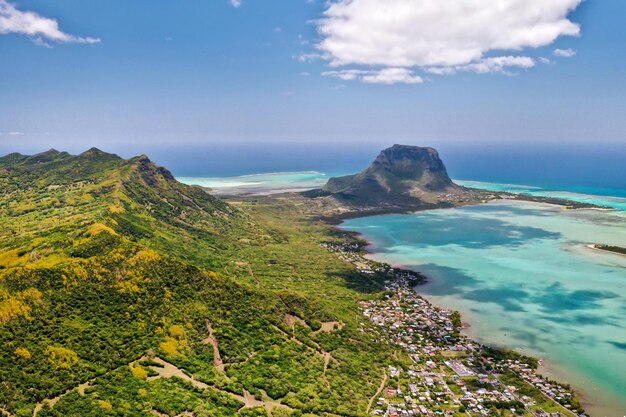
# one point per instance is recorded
(273, 182)
(608, 197)
(523, 276)
(520, 272)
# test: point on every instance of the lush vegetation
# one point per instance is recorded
(112, 274)
(616, 249)
(507, 354)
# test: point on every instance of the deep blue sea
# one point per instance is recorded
(582, 168)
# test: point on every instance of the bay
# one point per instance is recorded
(524, 277)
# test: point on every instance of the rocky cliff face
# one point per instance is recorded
(399, 172)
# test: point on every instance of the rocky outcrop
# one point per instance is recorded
(399, 173)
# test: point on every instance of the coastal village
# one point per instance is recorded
(448, 374)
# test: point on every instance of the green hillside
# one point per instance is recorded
(126, 293)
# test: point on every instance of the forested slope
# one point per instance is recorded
(124, 292)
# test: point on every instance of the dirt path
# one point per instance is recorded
(327, 358)
(183, 414)
(168, 370)
(52, 401)
(329, 326)
(243, 264)
(291, 320)
(380, 389)
(289, 336)
(243, 362)
(318, 349)
(212, 340)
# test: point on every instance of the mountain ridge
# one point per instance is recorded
(107, 264)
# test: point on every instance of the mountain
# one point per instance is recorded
(134, 197)
(401, 177)
(125, 292)
(397, 171)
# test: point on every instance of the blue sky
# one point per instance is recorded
(137, 74)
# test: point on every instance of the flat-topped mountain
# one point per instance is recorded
(400, 178)
(400, 170)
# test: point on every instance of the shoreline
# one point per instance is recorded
(588, 401)
(544, 365)
(593, 406)
(602, 249)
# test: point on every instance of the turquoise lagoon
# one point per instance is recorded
(267, 183)
(521, 273)
(608, 197)
(524, 278)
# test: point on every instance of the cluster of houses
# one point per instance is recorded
(449, 374)
(551, 389)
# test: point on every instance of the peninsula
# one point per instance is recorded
(125, 292)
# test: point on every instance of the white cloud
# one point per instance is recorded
(442, 37)
(381, 76)
(346, 75)
(39, 28)
(16, 133)
(564, 53)
(306, 57)
(393, 76)
(499, 64)
(235, 3)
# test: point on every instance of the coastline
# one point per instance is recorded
(544, 368)
(590, 404)
(602, 249)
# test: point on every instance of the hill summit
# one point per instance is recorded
(400, 172)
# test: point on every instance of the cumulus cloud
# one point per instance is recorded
(235, 3)
(382, 76)
(346, 75)
(499, 64)
(442, 37)
(39, 28)
(564, 53)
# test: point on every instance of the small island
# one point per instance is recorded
(609, 248)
